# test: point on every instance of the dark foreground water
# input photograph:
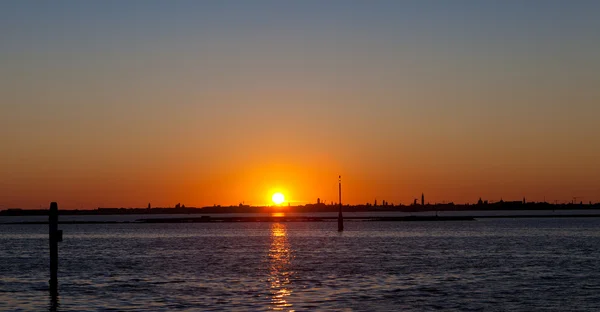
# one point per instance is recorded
(485, 265)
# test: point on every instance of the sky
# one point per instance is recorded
(125, 103)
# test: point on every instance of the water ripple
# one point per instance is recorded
(496, 265)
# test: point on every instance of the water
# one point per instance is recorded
(484, 265)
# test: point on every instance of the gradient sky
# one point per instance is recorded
(121, 103)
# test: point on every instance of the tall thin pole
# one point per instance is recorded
(340, 217)
(53, 235)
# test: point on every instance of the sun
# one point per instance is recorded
(278, 198)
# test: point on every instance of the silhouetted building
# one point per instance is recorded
(512, 203)
(422, 199)
(149, 207)
(318, 201)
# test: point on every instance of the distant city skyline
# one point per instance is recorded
(375, 203)
(121, 103)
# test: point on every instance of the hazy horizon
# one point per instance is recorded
(117, 104)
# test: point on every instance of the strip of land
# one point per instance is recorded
(311, 208)
(211, 219)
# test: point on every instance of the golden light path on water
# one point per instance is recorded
(280, 272)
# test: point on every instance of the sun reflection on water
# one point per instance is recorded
(280, 271)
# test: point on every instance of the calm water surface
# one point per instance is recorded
(485, 265)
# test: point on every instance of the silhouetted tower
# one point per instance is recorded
(149, 206)
(422, 199)
(318, 201)
(340, 217)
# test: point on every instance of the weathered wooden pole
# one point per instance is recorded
(55, 236)
(340, 217)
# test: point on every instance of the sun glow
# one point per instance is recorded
(278, 198)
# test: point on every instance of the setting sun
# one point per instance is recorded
(278, 198)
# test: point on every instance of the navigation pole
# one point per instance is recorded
(55, 236)
(340, 217)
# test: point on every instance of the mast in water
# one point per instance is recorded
(340, 217)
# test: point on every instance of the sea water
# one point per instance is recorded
(485, 265)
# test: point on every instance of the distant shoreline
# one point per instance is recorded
(210, 219)
(310, 208)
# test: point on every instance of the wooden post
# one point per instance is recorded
(340, 217)
(55, 236)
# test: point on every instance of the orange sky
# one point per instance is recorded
(210, 104)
